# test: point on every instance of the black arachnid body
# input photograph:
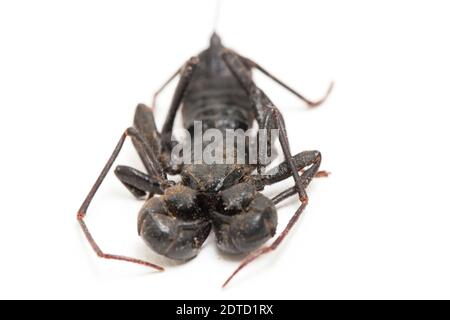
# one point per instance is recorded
(216, 88)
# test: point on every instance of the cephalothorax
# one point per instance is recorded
(216, 88)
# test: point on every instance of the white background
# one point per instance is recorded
(72, 72)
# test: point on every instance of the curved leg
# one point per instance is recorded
(185, 78)
(270, 248)
(166, 132)
(84, 207)
(269, 117)
(302, 160)
(310, 103)
(156, 94)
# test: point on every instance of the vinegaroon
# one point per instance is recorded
(215, 87)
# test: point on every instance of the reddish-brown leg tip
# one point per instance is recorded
(318, 103)
(323, 174)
